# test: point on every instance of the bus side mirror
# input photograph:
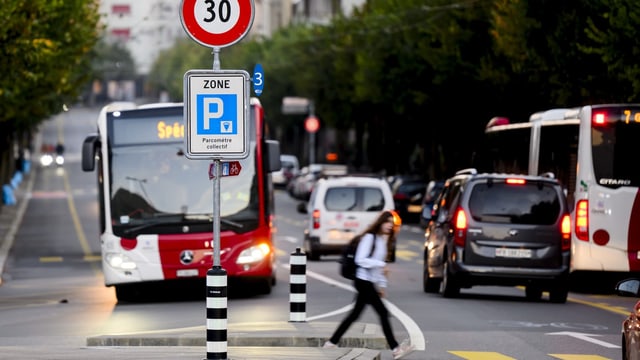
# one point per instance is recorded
(272, 155)
(89, 152)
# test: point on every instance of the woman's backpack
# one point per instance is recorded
(348, 258)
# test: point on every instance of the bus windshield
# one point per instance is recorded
(153, 182)
(613, 149)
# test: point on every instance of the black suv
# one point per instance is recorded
(499, 229)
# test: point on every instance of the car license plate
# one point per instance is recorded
(339, 237)
(187, 272)
(513, 253)
(414, 208)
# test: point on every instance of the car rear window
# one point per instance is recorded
(532, 203)
(354, 199)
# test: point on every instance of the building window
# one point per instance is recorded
(121, 34)
(120, 9)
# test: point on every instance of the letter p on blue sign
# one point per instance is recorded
(216, 114)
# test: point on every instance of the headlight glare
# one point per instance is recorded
(254, 254)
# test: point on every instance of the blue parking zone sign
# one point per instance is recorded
(216, 114)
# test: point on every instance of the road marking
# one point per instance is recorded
(481, 355)
(414, 331)
(578, 357)
(86, 249)
(50, 259)
(586, 337)
(291, 239)
(603, 306)
(49, 195)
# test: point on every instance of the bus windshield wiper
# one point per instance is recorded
(172, 219)
(156, 219)
(209, 217)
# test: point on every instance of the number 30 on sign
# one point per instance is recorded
(217, 23)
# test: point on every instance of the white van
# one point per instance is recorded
(290, 169)
(339, 208)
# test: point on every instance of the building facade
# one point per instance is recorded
(147, 27)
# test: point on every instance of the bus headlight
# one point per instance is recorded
(253, 254)
(120, 261)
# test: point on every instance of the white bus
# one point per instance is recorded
(591, 150)
(156, 206)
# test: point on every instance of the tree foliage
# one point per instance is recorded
(43, 62)
(396, 67)
(43, 57)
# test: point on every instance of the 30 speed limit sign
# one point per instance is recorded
(217, 23)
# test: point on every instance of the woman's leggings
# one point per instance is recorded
(367, 294)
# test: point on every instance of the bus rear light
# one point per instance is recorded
(599, 118)
(565, 229)
(460, 228)
(582, 220)
(315, 218)
(128, 244)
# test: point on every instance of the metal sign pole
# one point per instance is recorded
(216, 34)
(216, 58)
(312, 135)
(216, 211)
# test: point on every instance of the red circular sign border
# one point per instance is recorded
(206, 38)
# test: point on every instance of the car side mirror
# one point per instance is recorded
(628, 287)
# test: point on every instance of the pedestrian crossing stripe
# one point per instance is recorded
(481, 355)
(490, 355)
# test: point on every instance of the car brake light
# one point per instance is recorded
(565, 229)
(582, 220)
(512, 181)
(315, 217)
(460, 228)
(400, 197)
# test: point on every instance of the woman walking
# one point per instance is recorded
(371, 281)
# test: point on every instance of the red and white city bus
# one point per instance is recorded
(591, 150)
(156, 205)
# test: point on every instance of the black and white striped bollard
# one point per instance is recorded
(298, 287)
(217, 313)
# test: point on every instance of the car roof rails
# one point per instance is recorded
(467, 171)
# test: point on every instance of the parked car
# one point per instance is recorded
(290, 169)
(339, 208)
(499, 229)
(434, 187)
(408, 192)
(301, 186)
(631, 324)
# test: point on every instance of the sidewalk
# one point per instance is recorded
(255, 341)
